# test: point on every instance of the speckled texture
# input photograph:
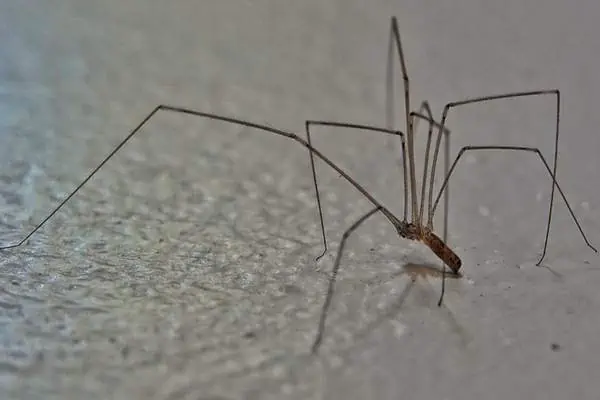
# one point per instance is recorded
(185, 269)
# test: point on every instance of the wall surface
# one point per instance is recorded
(185, 269)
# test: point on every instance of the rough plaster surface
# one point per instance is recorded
(185, 269)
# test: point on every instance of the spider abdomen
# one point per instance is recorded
(441, 250)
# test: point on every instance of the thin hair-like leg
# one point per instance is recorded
(388, 214)
(553, 92)
(425, 107)
(516, 148)
(507, 148)
(310, 123)
(429, 118)
(446, 204)
(394, 41)
(417, 116)
(414, 115)
(333, 277)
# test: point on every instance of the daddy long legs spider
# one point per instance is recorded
(412, 228)
(416, 228)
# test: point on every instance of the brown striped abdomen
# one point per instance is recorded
(442, 251)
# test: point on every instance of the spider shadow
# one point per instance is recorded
(415, 272)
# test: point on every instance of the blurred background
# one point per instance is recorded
(186, 268)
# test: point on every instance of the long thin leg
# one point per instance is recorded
(553, 92)
(395, 40)
(417, 116)
(446, 202)
(517, 148)
(429, 118)
(333, 277)
(425, 107)
(413, 115)
(314, 172)
(388, 214)
(443, 291)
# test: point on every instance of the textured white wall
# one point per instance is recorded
(186, 268)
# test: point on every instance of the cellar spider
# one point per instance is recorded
(413, 228)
